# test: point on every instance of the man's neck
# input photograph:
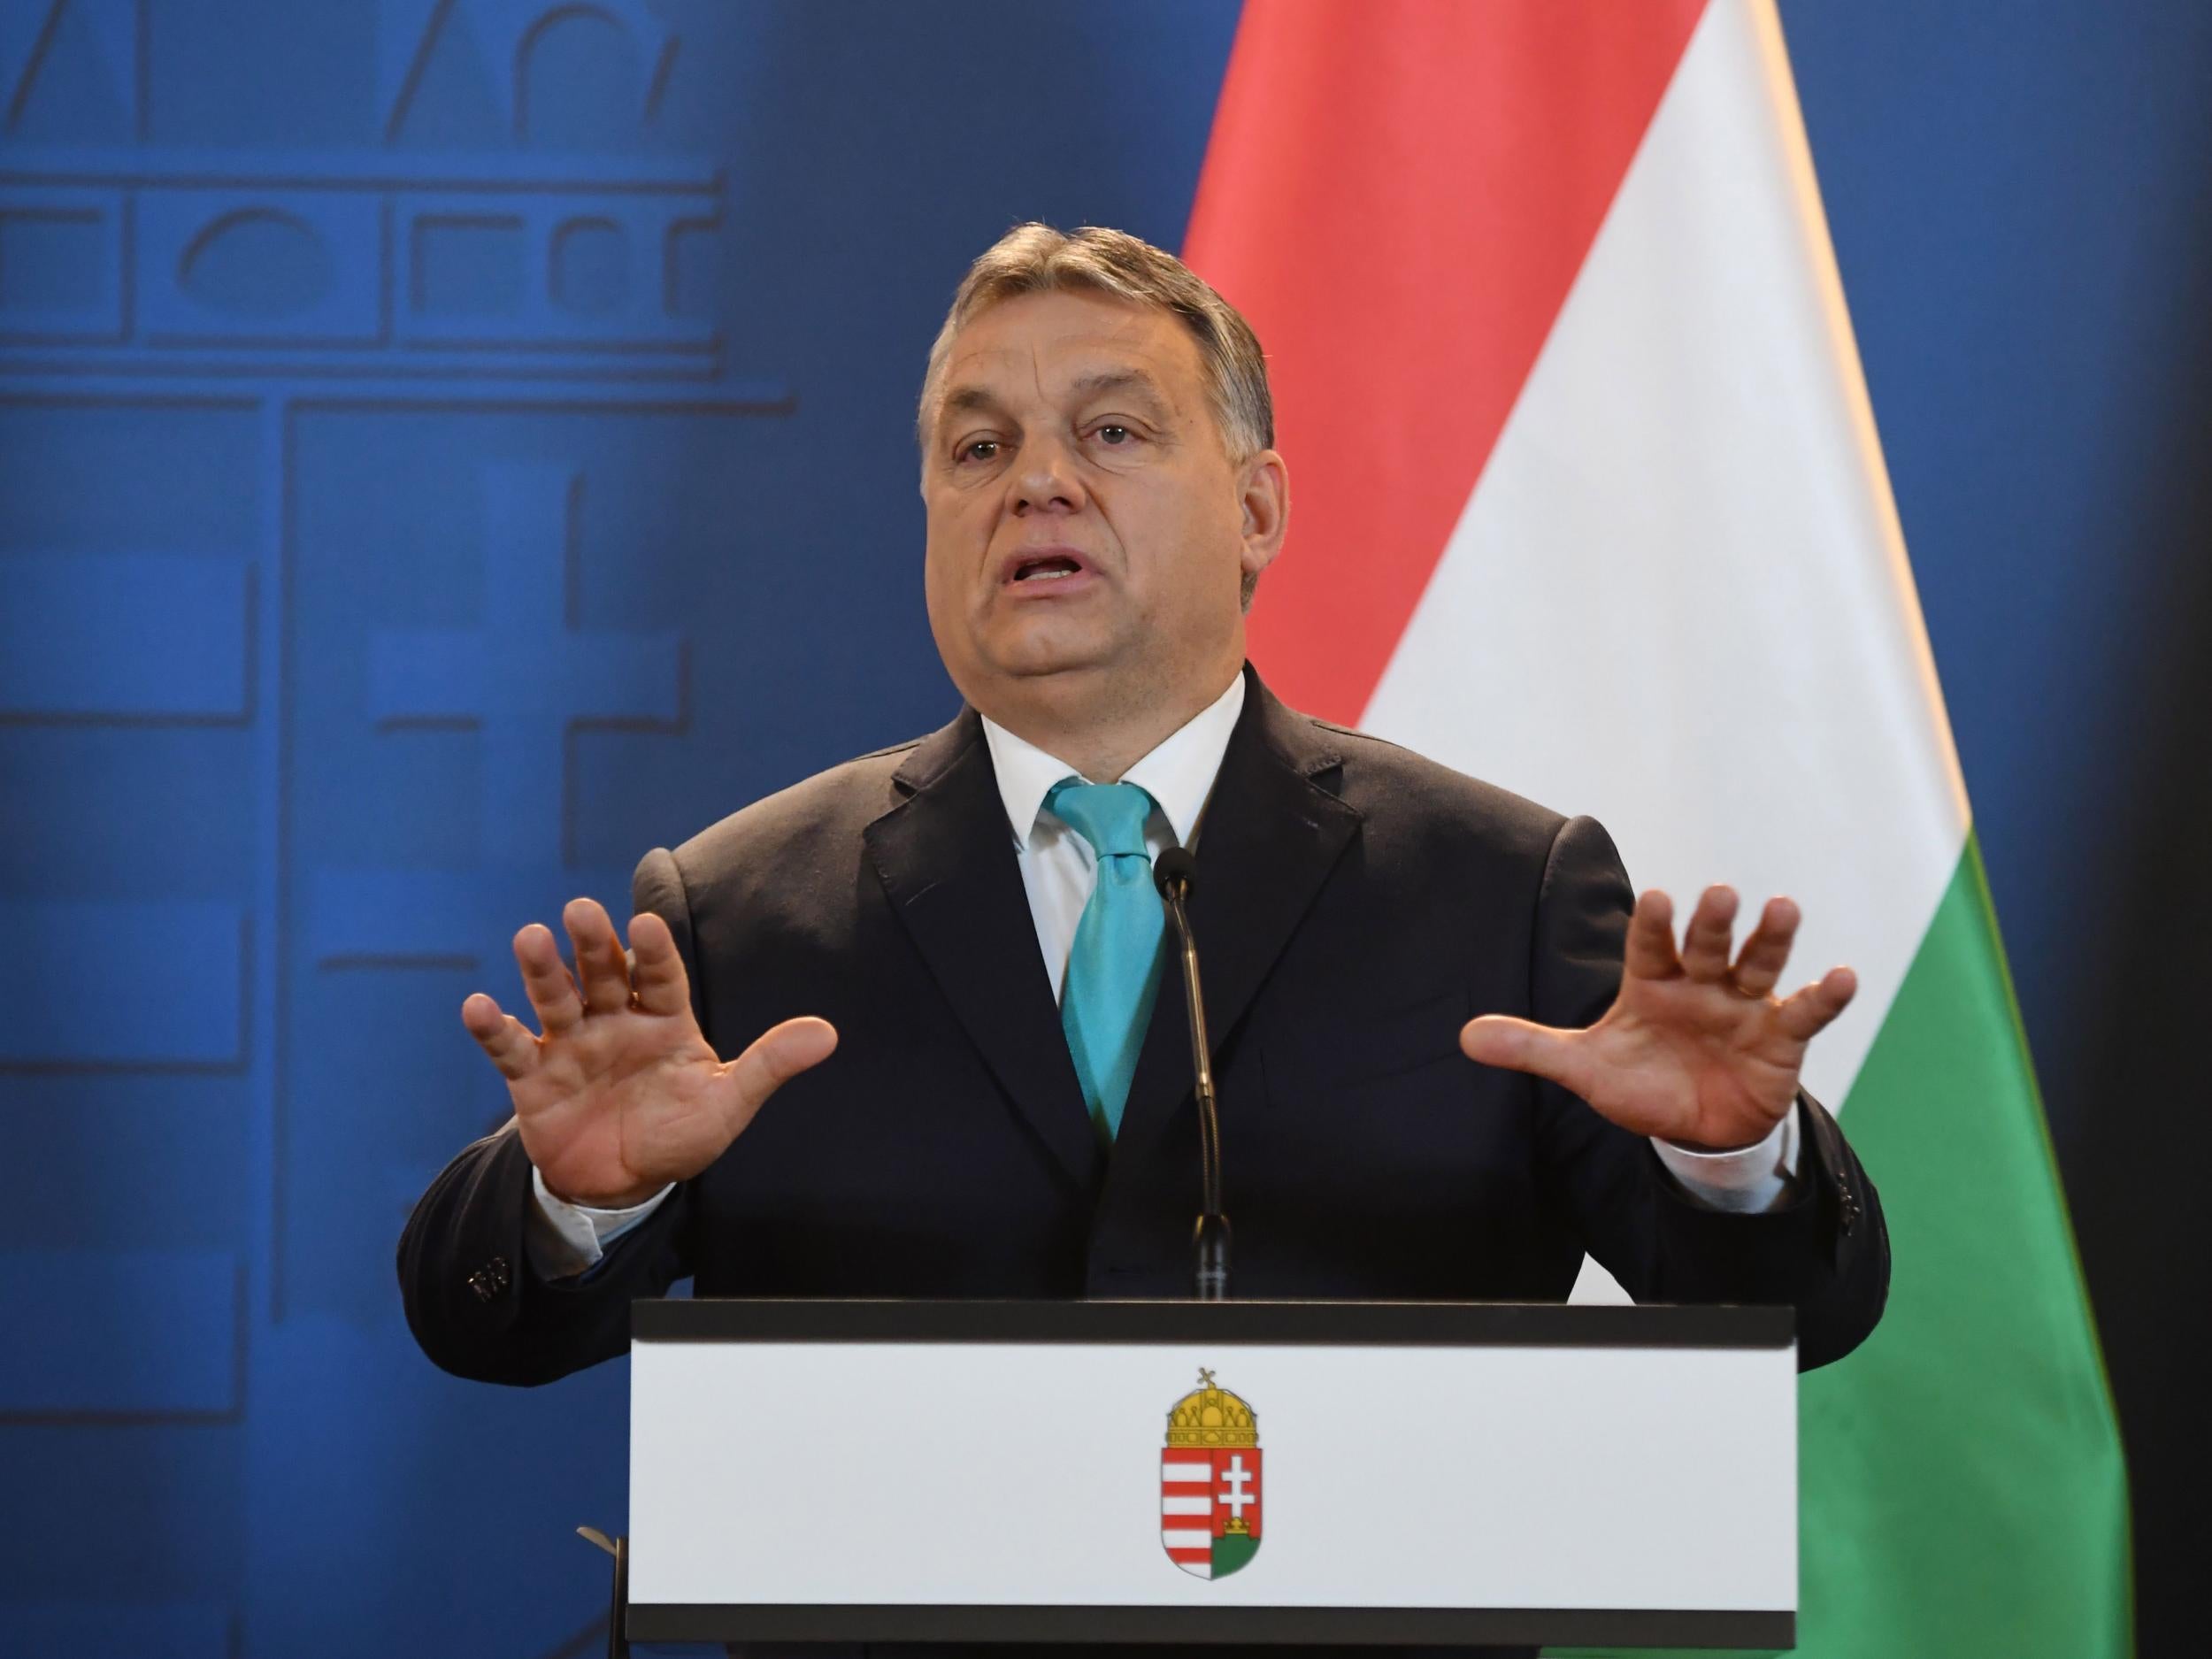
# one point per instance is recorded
(1097, 736)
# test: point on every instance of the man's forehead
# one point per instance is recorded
(1069, 345)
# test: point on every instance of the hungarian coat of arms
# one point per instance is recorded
(1209, 1482)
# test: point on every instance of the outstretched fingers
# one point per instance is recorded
(545, 980)
(501, 1036)
(1806, 1014)
(1650, 953)
(599, 960)
(657, 972)
(1712, 931)
(1767, 952)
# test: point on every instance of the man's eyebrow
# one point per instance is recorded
(972, 398)
(963, 398)
(1133, 380)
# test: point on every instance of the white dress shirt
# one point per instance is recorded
(1058, 871)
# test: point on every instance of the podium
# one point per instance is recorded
(1246, 1471)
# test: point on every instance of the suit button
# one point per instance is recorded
(490, 1279)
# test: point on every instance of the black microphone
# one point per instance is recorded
(1174, 871)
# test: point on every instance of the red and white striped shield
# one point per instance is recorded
(1209, 1482)
(1209, 1509)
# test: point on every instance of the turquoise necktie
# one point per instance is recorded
(1114, 968)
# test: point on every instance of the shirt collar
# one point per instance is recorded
(1178, 775)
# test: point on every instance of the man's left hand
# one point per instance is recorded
(1695, 1050)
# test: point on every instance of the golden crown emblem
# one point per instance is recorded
(1211, 1416)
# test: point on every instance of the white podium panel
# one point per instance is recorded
(1240, 1472)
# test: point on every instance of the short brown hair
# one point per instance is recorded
(1035, 258)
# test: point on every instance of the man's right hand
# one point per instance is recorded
(622, 1094)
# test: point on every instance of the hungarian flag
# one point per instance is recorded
(1587, 500)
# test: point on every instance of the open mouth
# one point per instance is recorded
(1045, 567)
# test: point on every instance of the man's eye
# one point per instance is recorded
(981, 449)
(1114, 434)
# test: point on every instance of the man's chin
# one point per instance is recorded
(1046, 653)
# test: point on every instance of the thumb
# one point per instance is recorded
(778, 1054)
(1519, 1045)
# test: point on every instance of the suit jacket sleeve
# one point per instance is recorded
(1825, 1252)
(474, 1306)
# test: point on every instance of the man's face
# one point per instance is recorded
(1087, 532)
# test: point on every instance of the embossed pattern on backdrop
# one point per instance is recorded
(447, 447)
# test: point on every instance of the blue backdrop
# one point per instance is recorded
(448, 447)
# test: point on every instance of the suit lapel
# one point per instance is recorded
(947, 859)
(1274, 828)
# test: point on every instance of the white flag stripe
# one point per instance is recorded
(1687, 512)
(1178, 1539)
(1686, 535)
(1183, 1474)
(1202, 1504)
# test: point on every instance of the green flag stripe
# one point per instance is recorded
(1964, 1487)
(1962, 1490)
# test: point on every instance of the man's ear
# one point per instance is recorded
(1263, 496)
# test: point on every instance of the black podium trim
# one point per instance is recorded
(1573, 1627)
(1365, 1324)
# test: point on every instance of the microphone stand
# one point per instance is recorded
(1210, 1240)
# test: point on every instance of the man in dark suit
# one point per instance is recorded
(1437, 1079)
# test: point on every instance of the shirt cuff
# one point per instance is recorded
(564, 1239)
(1748, 1181)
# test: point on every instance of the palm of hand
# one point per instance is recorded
(1691, 1063)
(1694, 1050)
(623, 1101)
(623, 1094)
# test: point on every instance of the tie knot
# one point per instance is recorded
(1110, 815)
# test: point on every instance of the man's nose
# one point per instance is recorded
(1046, 480)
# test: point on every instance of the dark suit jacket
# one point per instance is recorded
(1355, 903)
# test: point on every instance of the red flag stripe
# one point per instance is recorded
(1399, 194)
